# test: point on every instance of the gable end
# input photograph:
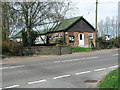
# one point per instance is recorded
(81, 25)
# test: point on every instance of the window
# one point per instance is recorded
(80, 36)
(53, 36)
(56, 35)
(60, 35)
(71, 38)
(90, 35)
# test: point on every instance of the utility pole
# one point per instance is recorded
(96, 21)
(118, 19)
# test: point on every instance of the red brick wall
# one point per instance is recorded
(86, 40)
(52, 40)
(76, 38)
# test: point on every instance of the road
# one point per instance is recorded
(65, 72)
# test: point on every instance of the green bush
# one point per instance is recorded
(59, 41)
(116, 42)
(103, 44)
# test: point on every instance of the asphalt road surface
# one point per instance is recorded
(67, 72)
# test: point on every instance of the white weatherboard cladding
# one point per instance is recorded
(19, 39)
(39, 40)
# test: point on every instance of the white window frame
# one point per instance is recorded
(91, 35)
(60, 35)
(56, 35)
(53, 36)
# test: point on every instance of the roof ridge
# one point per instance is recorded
(73, 17)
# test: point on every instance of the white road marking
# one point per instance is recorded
(115, 54)
(79, 59)
(12, 86)
(114, 66)
(0, 88)
(12, 67)
(67, 61)
(91, 57)
(82, 72)
(37, 81)
(58, 77)
(74, 60)
(99, 69)
(56, 61)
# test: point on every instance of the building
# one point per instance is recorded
(75, 32)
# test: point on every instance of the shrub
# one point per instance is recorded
(103, 44)
(116, 42)
(59, 41)
(5, 46)
(8, 47)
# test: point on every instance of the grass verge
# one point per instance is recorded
(80, 49)
(111, 80)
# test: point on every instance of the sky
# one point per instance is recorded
(86, 8)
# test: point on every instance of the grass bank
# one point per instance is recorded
(112, 80)
(80, 49)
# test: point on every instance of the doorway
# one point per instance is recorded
(81, 39)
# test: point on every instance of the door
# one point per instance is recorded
(81, 39)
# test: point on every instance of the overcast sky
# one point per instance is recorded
(86, 8)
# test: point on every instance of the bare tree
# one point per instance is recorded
(101, 28)
(33, 14)
(5, 20)
(107, 24)
(116, 27)
(9, 19)
(109, 27)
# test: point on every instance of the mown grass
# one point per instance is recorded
(80, 49)
(112, 80)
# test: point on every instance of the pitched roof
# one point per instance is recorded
(65, 24)
(18, 35)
